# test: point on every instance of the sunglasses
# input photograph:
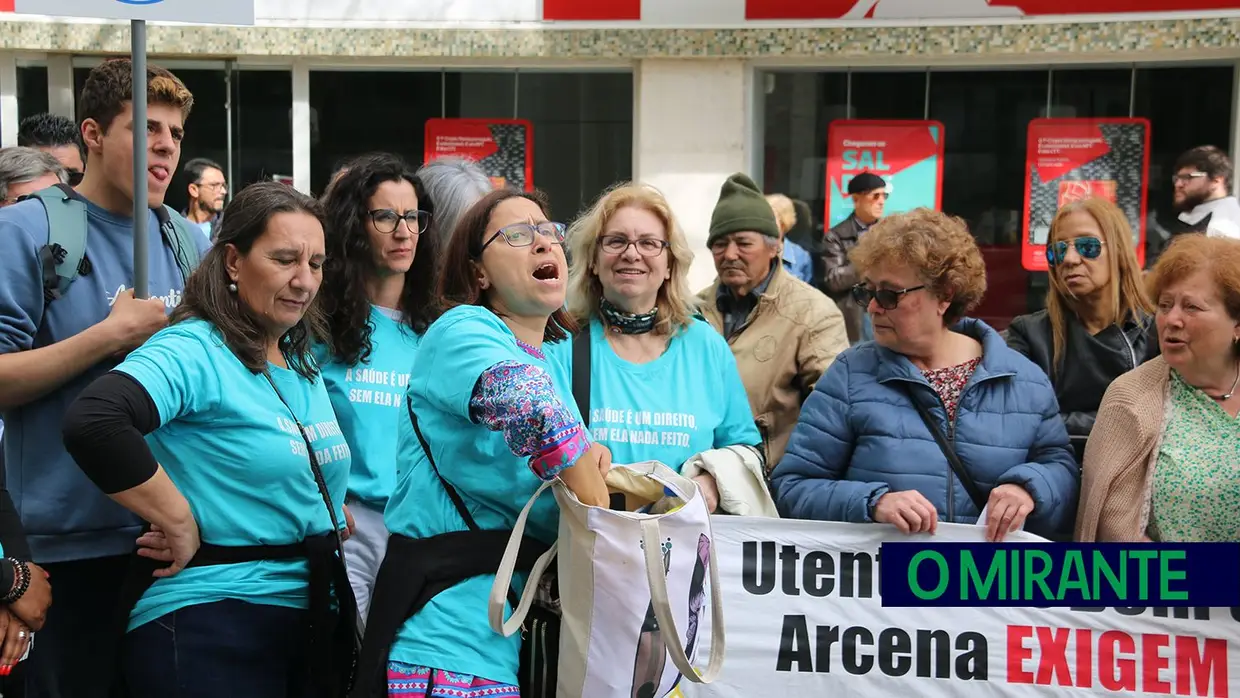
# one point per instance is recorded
(1087, 248)
(75, 177)
(887, 298)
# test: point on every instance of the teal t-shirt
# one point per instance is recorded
(688, 400)
(452, 632)
(369, 400)
(234, 451)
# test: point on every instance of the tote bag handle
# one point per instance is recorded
(663, 609)
(507, 565)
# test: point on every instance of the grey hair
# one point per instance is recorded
(454, 185)
(19, 164)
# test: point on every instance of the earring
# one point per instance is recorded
(232, 288)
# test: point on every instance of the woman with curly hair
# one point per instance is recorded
(376, 296)
(936, 419)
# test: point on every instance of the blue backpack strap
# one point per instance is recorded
(180, 236)
(64, 256)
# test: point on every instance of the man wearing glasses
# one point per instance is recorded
(869, 195)
(1203, 182)
(58, 136)
(207, 191)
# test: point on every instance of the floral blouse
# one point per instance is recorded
(520, 400)
(949, 383)
(1195, 493)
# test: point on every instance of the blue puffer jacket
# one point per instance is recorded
(859, 436)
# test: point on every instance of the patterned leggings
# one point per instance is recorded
(410, 681)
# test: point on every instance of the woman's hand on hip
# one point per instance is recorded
(908, 511)
(176, 546)
(1008, 507)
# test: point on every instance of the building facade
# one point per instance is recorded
(675, 93)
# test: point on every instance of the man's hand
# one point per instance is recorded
(132, 320)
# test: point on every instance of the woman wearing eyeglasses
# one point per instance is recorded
(937, 419)
(377, 287)
(486, 426)
(630, 292)
(1097, 324)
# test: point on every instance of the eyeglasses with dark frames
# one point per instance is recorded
(385, 220)
(522, 234)
(619, 244)
(887, 298)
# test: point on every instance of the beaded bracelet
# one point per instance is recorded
(21, 581)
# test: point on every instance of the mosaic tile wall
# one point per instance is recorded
(1200, 37)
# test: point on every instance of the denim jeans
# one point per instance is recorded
(225, 649)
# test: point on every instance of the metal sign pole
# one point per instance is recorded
(141, 208)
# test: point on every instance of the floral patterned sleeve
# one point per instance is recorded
(520, 400)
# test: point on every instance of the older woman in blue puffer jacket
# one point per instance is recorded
(863, 450)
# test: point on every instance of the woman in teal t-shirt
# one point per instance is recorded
(663, 385)
(376, 296)
(489, 410)
(241, 452)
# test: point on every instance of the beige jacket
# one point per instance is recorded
(783, 348)
(739, 478)
(1120, 456)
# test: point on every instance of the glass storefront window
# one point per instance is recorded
(986, 114)
(31, 91)
(355, 112)
(1188, 107)
(583, 134)
(262, 110)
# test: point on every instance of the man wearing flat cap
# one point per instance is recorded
(869, 195)
(783, 332)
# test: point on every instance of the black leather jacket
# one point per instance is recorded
(1089, 363)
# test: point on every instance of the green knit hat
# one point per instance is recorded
(741, 207)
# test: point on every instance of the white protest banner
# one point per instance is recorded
(240, 12)
(804, 618)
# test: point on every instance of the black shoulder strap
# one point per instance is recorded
(581, 373)
(455, 496)
(970, 485)
(452, 493)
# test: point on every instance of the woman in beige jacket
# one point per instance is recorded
(1163, 460)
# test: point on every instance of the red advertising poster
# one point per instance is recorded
(588, 10)
(908, 155)
(504, 148)
(1072, 159)
(966, 9)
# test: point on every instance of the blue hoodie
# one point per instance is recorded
(65, 516)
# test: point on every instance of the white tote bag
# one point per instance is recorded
(632, 588)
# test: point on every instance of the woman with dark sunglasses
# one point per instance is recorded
(377, 287)
(936, 419)
(1097, 322)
